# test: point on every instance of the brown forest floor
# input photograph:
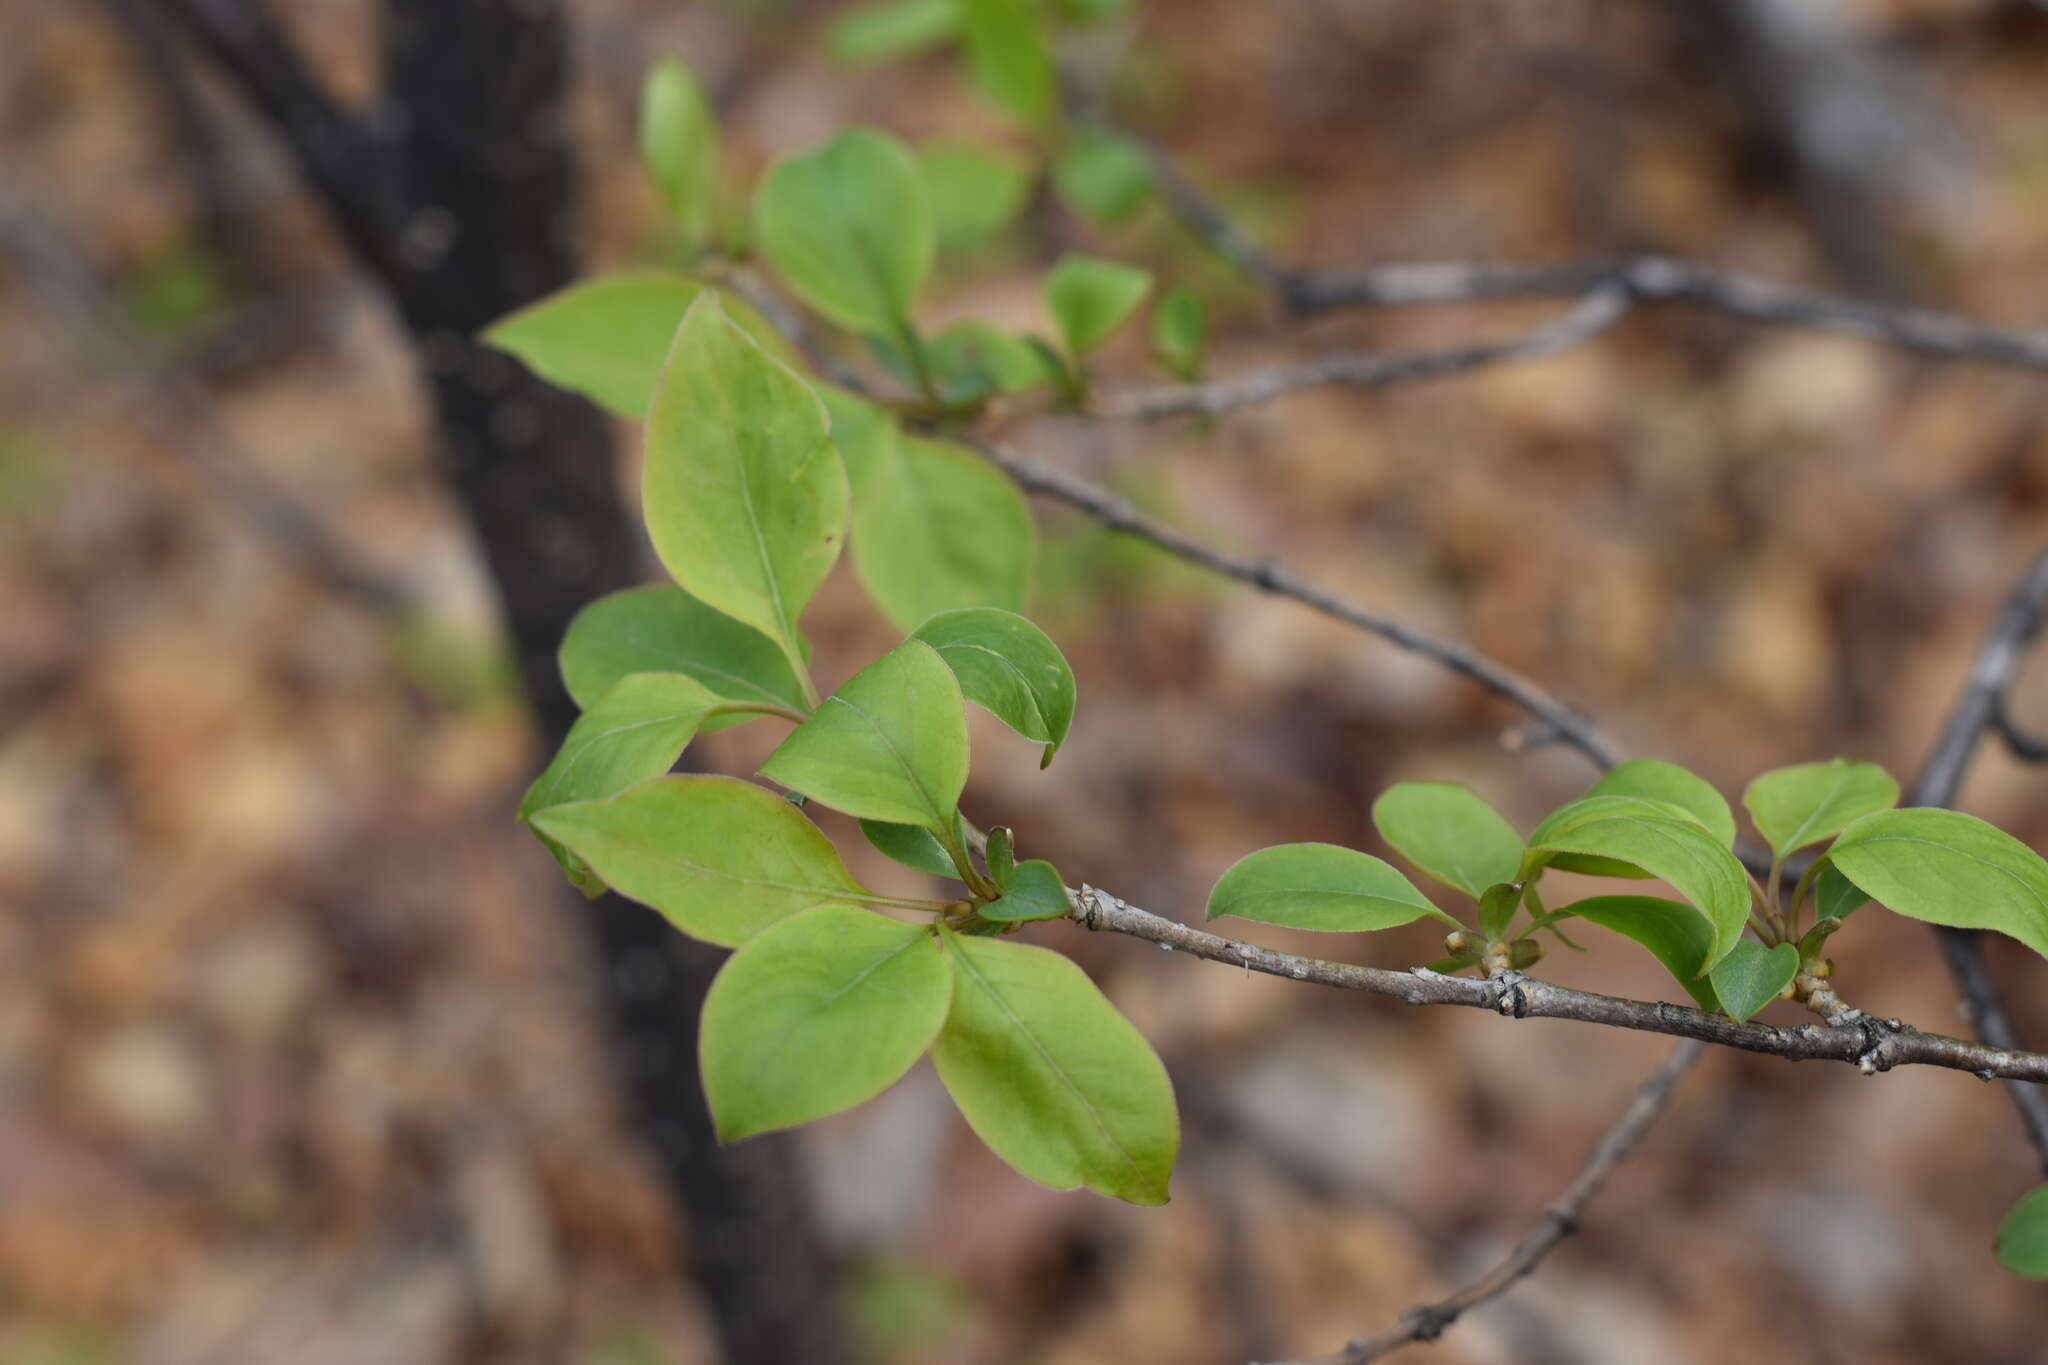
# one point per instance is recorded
(295, 1066)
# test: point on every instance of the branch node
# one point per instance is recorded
(1511, 999)
(1427, 1322)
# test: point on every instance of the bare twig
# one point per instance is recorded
(1601, 307)
(1873, 1044)
(1570, 726)
(1427, 1322)
(1982, 707)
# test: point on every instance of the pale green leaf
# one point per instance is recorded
(662, 629)
(889, 745)
(823, 1011)
(1450, 833)
(848, 228)
(1797, 806)
(971, 360)
(1032, 890)
(1835, 896)
(912, 845)
(974, 190)
(1010, 57)
(1009, 666)
(1657, 780)
(745, 500)
(1497, 906)
(1319, 886)
(1676, 934)
(1592, 807)
(1001, 853)
(1751, 976)
(1681, 852)
(1180, 332)
(608, 338)
(721, 858)
(1090, 298)
(635, 731)
(894, 28)
(2023, 1238)
(679, 144)
(1052, 1077)
(1946, 867)
(1103, 176)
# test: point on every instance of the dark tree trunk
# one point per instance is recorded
(453, 190)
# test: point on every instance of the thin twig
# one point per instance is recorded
(1570, 726)
(1599, 309)
(1872, 1044)
(1427, 1322)
(1982, 707)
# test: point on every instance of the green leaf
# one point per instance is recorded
(1180, 332)
(744, 498)
(889, 745)
(1052, 1077)
(662, 629)
(1591, 807)
(1835, 895)
(1033, 890)
(1001, 853)
(1103, 176)
(1319, 886)
(935, 527)
(912, 845)
(1948, 868)
(974, 190)
(1751, 976)
(971, 360)
(721, 858)
(1497, 907)
(1091, 298)
(636, 731)
(607, 338)
(1009, 666)
(874, 33)
(1450, 833)
(1656, 780)
(2023, 1238)
(848, 227)
(1009, 56)
(817, 1014)
(1797, 806)
(1674, 932)
(1679, 851)
(679, 143)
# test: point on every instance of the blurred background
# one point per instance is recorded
(304, 1055)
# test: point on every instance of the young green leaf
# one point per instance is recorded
(1033, 890)
(2023, 1239)
(1319, 886)
(935, 527)
(721, 858)
(1497, 906)
(1009, 666)
(1835, 895)
(1091, 298)
(1001, 854)
(1103, 176)
(745, 500)
(848, 227)
(823, 1011)
(912, 845)
(634, 732)
(1675, 933)
(679, 143)
(1180, 331)
(971, 360)
(1948, 868)
(1010, 57)
(974, 190)
(1657, 780)
(889, 745)
(1450, 833)
(1052, 1077)
(1751, 976)
(1681, 852)
(662, 629)
(1805, 804)
(894, 28)
(1598, 807)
